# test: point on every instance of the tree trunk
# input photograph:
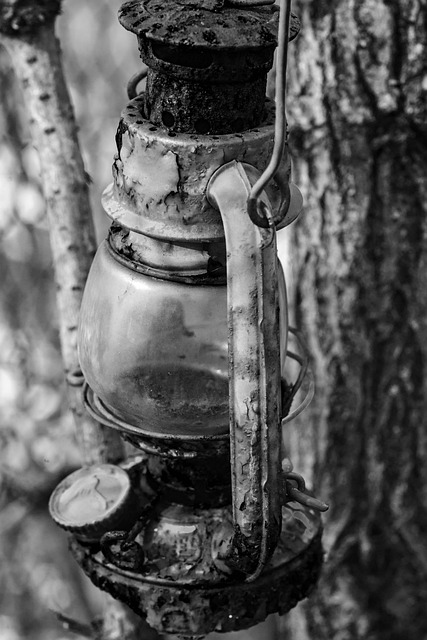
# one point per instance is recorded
(357, 110)
(36, 57)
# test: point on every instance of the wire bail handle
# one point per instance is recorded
(258, 211)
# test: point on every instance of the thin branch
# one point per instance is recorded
(36, 58)
(27, 32)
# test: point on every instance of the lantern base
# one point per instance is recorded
(190, 606)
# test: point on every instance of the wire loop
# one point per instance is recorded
(305, 372)
(134, 82)
(255, 208)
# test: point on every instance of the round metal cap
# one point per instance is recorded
(200, 23)
(91, 501)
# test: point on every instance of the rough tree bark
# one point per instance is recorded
(357, 109)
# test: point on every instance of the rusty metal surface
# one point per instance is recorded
(160, 178)
(189, 107)
(187, 595)
(208, 62)
(206, 65)
(295, 490)
(202, 482)
(254, 372)
(210, 24)
(200, 23)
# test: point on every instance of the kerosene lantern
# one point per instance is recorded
(183, 335)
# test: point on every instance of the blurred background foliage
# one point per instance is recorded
(37, 446)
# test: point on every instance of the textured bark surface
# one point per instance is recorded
(36, 59)
(357, 110)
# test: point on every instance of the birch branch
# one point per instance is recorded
(28, 33)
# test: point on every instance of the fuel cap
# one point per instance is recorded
(94, 500)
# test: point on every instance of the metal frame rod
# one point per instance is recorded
(254, 202)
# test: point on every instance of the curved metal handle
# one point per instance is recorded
(254, 372)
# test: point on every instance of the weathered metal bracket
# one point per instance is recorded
(254, 373)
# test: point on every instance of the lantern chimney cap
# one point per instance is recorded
(207, 24)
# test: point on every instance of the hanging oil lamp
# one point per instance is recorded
(183, 334)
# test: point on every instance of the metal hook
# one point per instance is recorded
(305, 372)
(256, 210)
(298, 493)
